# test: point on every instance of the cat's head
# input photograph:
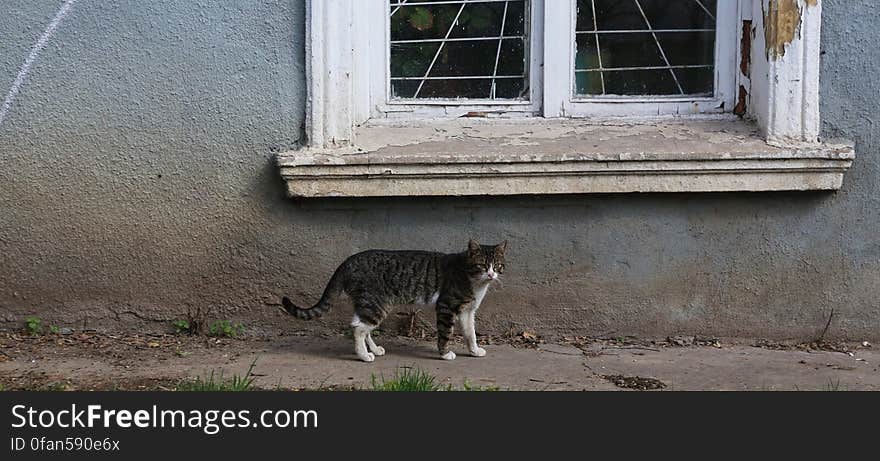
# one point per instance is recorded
(485, 262)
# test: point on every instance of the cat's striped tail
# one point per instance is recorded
(333, 289)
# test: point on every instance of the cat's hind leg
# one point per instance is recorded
(366, 318)
(376, 350)
(360, 333)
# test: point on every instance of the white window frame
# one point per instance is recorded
(560, 99)
(551, 96)
(384, 106)
(376, 84)
(776, 77)
(342, 54)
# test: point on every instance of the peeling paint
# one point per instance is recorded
(745, 62)
(782, 24)
(740, 108)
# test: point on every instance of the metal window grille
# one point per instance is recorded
(645, 47)
(451, 49)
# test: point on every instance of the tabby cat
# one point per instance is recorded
(378, 280)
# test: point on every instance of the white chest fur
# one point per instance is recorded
(479, 293)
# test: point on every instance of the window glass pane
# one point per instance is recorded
(645, 47)
(451, 49)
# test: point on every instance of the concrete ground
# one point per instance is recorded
(92, 361)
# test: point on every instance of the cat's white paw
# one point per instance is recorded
(478, 352)
(368, 357)
(449, 356)
(379, 350)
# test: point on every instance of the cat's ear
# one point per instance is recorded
(501, 247)
(473, 246)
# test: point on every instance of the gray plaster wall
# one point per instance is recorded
(136, 182)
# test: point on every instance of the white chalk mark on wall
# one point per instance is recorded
(32, 56)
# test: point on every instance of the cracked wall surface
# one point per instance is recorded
(137, 181)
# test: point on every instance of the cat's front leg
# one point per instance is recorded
(468, 319)
(445, 320)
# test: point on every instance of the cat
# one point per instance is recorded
(379, 280)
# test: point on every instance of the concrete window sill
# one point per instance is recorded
(470, 156)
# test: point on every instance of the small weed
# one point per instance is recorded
(225, 328)
(416, 380)
(217, 382)
(832, 385)
(181, 326)
(2, 387)
(407, 380)
(33, 325)
(181, 353)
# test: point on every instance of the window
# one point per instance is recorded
(645, 48)
(605, 57)
(459, 49)
(496, 97)
(452, 57)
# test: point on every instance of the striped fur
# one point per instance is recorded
(377, 281)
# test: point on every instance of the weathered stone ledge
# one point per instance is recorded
(538, 156)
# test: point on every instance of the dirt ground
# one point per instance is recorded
(93, 361)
